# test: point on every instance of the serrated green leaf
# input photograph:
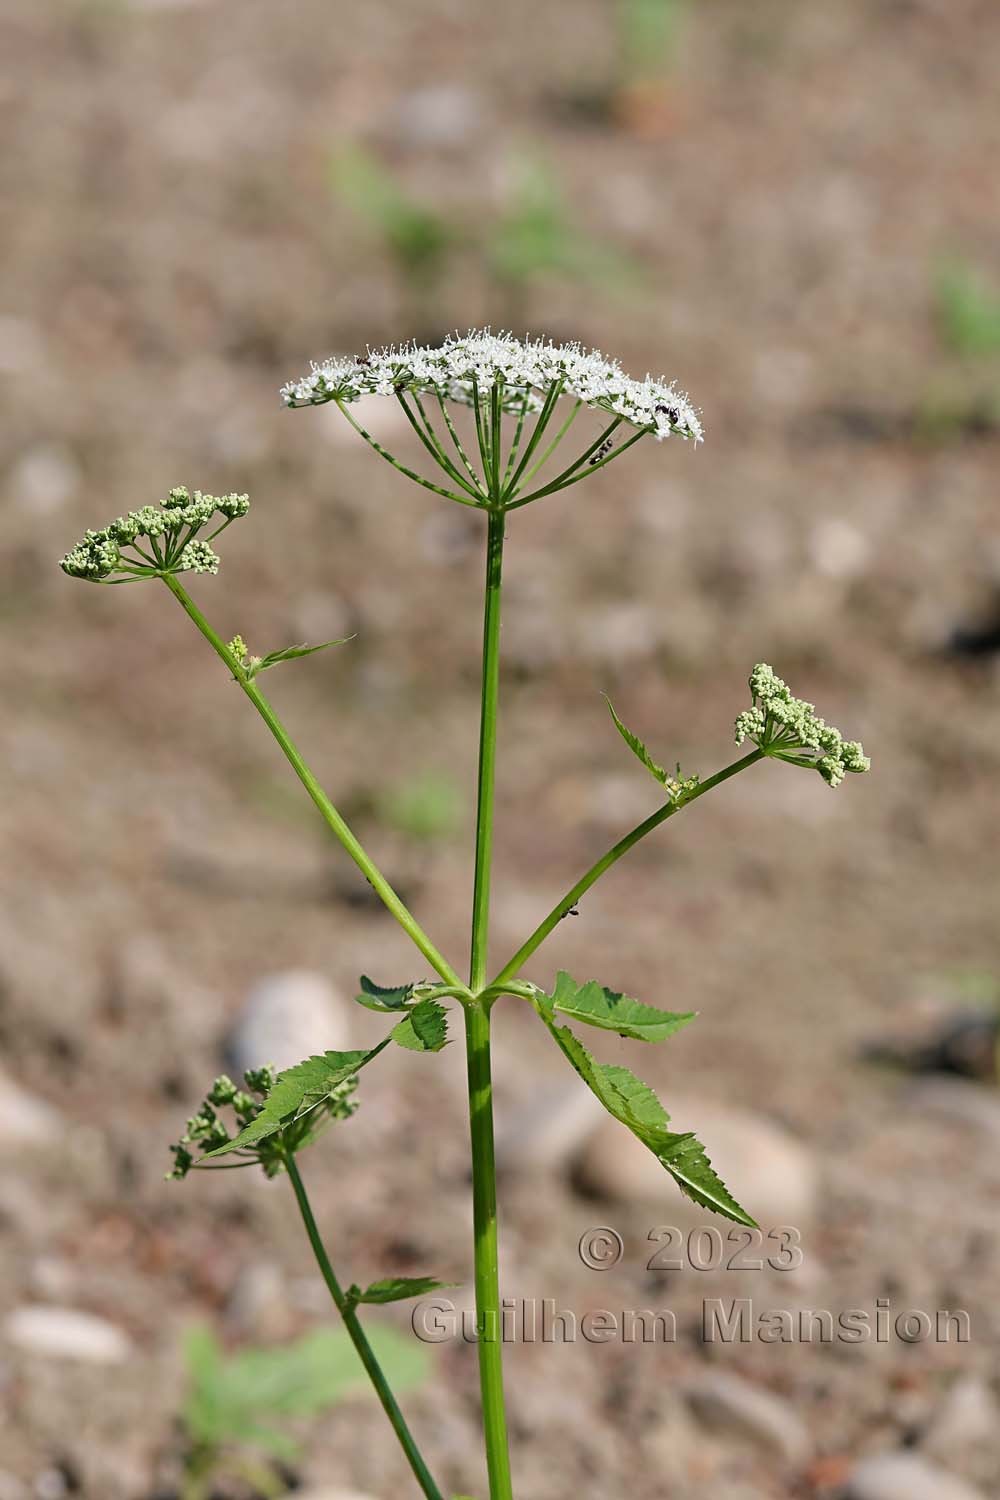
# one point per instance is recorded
(687, 1162)
(638, 748)
(297, 1091)
(397, 1289)
(289, 653)
(634, 1103)
(425, 1028)
(611, 1011)
(623, 1094)
(379, 997)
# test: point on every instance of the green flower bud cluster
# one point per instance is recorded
(94, 557)
(250, 665)
(788, 728)
(261, 1080)
(160, 538)
(680, 786)
(205, 1130)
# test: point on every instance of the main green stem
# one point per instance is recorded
(487, 751)
(329, 813)
(477, 1039)
(359, 1339)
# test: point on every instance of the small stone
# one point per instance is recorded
(64, 1333)
(258, 1305)
(727, 1404)
(965, 1418)
(286, 1018)
(443, 114)
(44, 479)
(24, 1119)
(545, 1131)
(765, 1168)
(838, 549)
(906, 1476)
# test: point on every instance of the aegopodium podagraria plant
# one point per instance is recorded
(514, 390)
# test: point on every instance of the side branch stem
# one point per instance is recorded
(614, 854)
(358, 1338)
(333, 819)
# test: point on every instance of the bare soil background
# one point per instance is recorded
(173, 250)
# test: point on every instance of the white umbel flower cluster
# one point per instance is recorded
(523, 369)
(789, 729)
